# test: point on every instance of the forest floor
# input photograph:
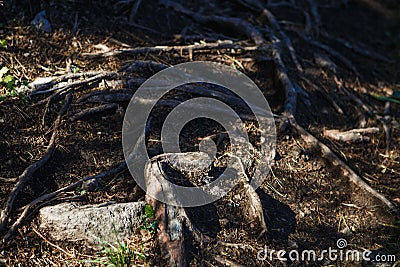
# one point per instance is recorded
(308, 202)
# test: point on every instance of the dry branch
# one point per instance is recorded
(46, 83)
(221, 45)
(73, 85)
(354, 135)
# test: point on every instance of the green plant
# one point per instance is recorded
(81, 191)
(118, 256)
(3, 43)
(148, 222)
(10, 83)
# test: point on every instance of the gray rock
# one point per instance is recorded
(92, 224)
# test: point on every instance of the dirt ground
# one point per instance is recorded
(308, 202)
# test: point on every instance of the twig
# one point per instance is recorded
(31, 169)
(51, 244)
(8, 180)
(354, 135)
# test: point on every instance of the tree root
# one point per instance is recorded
(93, 111)
(335, 160)
(236, 24)
(31, 169)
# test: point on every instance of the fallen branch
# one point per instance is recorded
(221, 45)
(73, 85)
(354, 135)
(41, 84)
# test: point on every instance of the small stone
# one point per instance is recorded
(90, 185)
(346, 231)
(292, 244)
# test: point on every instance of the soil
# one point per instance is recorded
(308, 203)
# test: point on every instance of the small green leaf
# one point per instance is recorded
(3, 71)
(3, 43)
(149, 211)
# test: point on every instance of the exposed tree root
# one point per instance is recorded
(329, 155)
(236, 24)
(176, 229)
(93, 111)
(31, 169)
